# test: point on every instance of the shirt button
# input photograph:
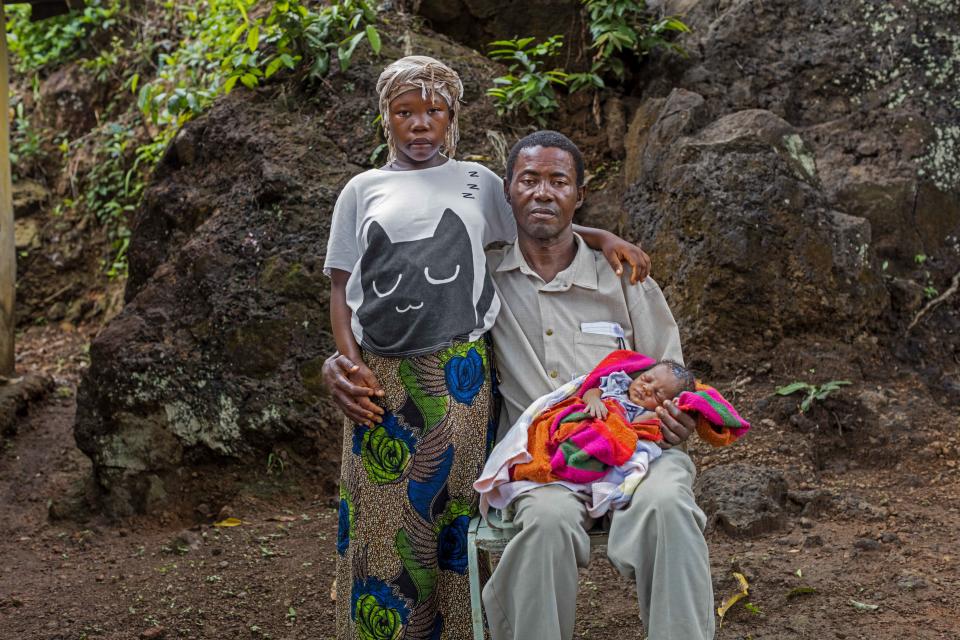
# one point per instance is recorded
(553, 374)
(549, 332)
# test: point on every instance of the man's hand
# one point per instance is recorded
(352, 385)
(675, 425)
(617, 251)
(595, 406)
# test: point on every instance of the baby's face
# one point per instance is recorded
(652, 387)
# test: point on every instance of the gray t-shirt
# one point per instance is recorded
(413, 244)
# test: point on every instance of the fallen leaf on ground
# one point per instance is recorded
(863, 606)
(801, 591)
(732, 600)
(283, 518)
(229, 522)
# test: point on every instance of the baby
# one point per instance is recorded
(598, 433)
(641, 393)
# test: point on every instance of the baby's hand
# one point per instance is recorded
(596, 408)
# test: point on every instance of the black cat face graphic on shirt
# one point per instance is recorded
(419, 294)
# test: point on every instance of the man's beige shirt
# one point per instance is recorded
(537, 337)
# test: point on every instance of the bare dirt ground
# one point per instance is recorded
(878, 560)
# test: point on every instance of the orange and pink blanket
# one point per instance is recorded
(566, 443)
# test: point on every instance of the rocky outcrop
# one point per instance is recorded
(748, 245)
(800, 158)
(17, 395)
(216, 356)
(66, 98)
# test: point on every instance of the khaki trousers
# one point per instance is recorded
(657, 541)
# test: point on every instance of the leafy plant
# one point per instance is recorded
(224, 44)
(527, 85)
(275, 464)
(813, 392)
(26, 143)
(621, 26)
(113, 189)
(34, 45)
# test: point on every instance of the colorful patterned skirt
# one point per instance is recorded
(406, 497)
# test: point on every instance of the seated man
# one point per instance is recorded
(562, 310)
(550, 286)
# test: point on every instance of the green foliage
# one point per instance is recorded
(224, 44)
(176, 58)
(26, 143)
(617, 28)
(527, 84)
(813, 392)
(34, 45)
(621, 26)
(113, 188)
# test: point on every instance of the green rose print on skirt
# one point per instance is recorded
(386, 449)
(407, 497)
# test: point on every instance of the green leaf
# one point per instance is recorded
(253, 38)
(523, 42)
(793, 387)
(675, 24)
(235, 36)
(376, 152)
(241, 9)
(274, 65)
(345, 53)
(321, 65)
(833, 385)
(249, 80)
(374, 38)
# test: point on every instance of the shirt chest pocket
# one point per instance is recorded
(591, 348)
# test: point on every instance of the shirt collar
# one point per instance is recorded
(581, 272)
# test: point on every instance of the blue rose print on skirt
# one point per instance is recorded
(464, 376)
(453, 545)
(451, 528)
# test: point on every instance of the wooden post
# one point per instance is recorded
(8, 251)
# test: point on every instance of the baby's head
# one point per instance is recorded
(663, 381)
